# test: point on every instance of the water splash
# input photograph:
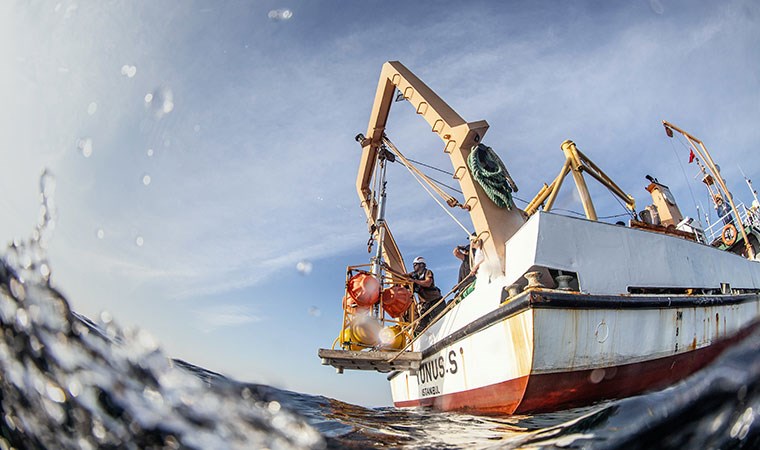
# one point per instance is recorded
(69, 383)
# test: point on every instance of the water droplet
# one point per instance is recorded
(92, 108)
(85, 146)
(146, 340)
(150, 153)
(740, 429)
(22, 319)
(146, 179)
(75, 388)
(71, 9)
(139, 241)
(128, 71)
(274, 407)
(55, 393)
(596, 375)
(197, 128)
(45, 271)
(100, 233)
(17, 289)
(98, 430)
(160, 101)
(656, 6)
(280, 14)
(304, 267)
(105, 317)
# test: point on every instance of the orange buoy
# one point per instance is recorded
(364, 289)
(729, 234)
(352, 307)
(396, 300)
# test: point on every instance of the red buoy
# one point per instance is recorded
(396, 300)
(364, 289)
(352, 307)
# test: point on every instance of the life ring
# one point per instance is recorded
(728, 235)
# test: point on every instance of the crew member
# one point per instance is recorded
(462, 252)
(723, 210)
(477, 256)
(429, 295)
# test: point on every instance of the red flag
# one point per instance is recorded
(691, 156)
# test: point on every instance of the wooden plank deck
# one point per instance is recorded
(370, 360)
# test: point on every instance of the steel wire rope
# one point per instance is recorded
(437, 201)
(431, 167)
(628, 212)
(418, 175)
(439, 182)
(452, 174)
(688, 182)
(580, 214)
(449, 199)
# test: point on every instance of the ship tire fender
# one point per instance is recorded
(728, 235)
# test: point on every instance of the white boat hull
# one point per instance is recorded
(546, 349)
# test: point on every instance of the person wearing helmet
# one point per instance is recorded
(428, 294)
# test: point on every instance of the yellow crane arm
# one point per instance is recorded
(699, 148)
(577, 163)
(493, 224)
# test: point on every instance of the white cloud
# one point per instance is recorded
(214, 317)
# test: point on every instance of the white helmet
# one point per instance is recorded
(419, 260)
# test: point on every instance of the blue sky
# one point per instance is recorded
(202, 150)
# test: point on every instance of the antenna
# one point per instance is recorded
(749, 184)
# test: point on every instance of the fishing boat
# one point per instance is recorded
(564, 311)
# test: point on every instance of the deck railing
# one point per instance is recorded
(747, 217)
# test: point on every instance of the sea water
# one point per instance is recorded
(69, 382)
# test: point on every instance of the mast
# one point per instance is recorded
(699, 148)
(749, 185)
(377, 261)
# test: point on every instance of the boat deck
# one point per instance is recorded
(370, 360)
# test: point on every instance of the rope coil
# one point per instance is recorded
(489, 171)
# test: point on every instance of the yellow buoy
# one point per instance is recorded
(365, 330)
(391, 338)
(347, 340)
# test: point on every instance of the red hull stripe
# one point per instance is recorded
(557, 391)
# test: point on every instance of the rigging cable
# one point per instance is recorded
(451, 174)
(450, 200)
(437, 201)
(688, 183)
(419, 176)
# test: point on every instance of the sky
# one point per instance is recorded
(205, 161)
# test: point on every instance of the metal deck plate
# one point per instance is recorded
(370, 360)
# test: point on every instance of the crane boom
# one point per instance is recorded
(492, 224)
